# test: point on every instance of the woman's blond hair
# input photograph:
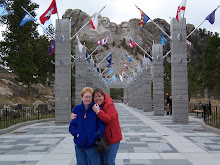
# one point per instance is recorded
(86, 90)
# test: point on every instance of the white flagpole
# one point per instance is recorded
(84, 25)
(93, 51)
(198, 26)
(142, 49)
(167, 54)
(103, 59)
(37, 22)
(158, 26)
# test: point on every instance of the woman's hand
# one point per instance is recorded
(96, 108)
(73, 116)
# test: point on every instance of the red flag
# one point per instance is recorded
(51, 10)
(181, 10)
(132, 44)
(94, 20)
(188, 43)
(125, 65)
(122, 73)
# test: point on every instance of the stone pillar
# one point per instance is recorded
(146, 87)
(179, 75)
(80, 73)
(89, 75)
(158, 80)
(63, 72)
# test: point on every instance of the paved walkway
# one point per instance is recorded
(147, 140)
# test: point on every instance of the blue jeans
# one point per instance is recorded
(87, 156)
(108, 157)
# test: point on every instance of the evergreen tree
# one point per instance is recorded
(22, 49)
(211, 64)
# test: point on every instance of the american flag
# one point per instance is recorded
(132, 44)
(103, 41)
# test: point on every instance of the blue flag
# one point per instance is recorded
(87, 56)
(111, 71)
(109, 59)
(128, 57)
(106, 80)
(114, 78)
(26, 19)
(211, 17)
(162, 39)
(51, 48)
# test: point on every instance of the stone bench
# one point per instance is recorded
(197, 111)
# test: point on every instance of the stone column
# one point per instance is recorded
(179, 75)
(146, 87)
(63, 72)
(158, 80)
(80, 73)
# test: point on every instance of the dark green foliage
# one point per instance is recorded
(204, 68)
(116, 93)
(22, 48)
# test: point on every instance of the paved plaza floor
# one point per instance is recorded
(147, 140)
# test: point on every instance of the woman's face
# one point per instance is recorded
(87, 99)
(98, 98)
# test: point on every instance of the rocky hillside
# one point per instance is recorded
(119, 39)
(13, 93)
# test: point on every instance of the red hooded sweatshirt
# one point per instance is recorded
(109, 116)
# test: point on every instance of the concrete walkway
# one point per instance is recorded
(147, 140)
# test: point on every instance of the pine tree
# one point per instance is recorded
(22, 49)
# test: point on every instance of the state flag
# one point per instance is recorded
(162, 39)
(128, 57)
(94, 20)
(132, 44)
(51, 48)
(26, 18)
(103, 41)
(144, 19)
(211, 17)
(181, 10)
(125, 65)
(111, 71)
(51, 10)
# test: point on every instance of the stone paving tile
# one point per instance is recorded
(141, 145)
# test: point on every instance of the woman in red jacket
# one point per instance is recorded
(109, 116)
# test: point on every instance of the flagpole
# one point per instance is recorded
(198, 26)
(37, 22)
(130, 69)
(167, 54)
(93, 51)
(157, 25)
(195, 29)
(135, 62)
(103, 59)
(142, 49)
(84, 25)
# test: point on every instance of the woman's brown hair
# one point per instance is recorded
(98, 90)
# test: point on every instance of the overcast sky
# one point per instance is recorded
(124, 10)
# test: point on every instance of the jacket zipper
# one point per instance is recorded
(86, 129)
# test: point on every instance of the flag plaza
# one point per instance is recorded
(52, 9)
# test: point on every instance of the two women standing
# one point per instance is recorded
(105, 110)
